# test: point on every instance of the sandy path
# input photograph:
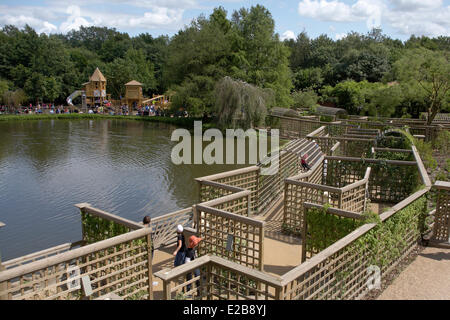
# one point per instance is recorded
(426, 278)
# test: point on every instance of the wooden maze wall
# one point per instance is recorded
(390, 181)
(121, 265)
(441, 227)
(231, 236)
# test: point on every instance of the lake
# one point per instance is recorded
(123, 167)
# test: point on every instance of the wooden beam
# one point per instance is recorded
(109, 216)
(72, 254)
(335, 211)
(234, 216)
(228, 173)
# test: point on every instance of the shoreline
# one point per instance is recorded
(181, 122)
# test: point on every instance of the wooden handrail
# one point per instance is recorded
(314, 185)
(357, 183)
(423, 172)
(370, 160)
(169, 275)
(234, 216)
(335, 211)
(228, 173)
(393, 150)
(168, 215)
(445, 185)
(39, 254)
(108, 216)
(72, 254)
(221, 185)
(226, 198)
(312, 134)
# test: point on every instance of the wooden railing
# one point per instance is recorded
(226, 183)
(390, 180)
(164, 227)
(357, 143)
(308, 187)
(440, 228)
(218, 279)
(231, 236)
(120, 265)
(266, 189)
(39, 255)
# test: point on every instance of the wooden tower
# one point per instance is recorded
(133, 94)
(95, 89)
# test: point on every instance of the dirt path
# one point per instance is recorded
(426, 278)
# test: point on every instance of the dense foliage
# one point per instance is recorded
(368, 74)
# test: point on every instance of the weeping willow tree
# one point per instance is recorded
(239, 104)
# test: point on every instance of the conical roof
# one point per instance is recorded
(97, 76)
(133, 83)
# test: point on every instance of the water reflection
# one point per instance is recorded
(121, 166)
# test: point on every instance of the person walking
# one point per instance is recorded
(190, 256)
(180, 251)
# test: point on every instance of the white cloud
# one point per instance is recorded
(419, 17)
(413, 5)
(74, 21)
(339, 36)
(325, 10)
(287, 35)
(65, 15)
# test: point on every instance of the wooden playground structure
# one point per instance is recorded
(93, 94)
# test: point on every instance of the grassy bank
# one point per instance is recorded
(180, 122)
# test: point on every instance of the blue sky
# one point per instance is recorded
(398, 18)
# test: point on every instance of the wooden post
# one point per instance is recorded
(261, 249)
(257, 192)
(166, 291)
(149, 265)
(304, 231)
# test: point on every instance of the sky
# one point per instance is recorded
(399, 19)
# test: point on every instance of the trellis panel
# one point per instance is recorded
(215, 227)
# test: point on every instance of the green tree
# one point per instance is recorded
(304, 99)
(265, 62)
(239, 104)
(430, 70)
(35, 87)
(308, 78)
(52, 89)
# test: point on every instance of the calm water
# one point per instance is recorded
(123, 167)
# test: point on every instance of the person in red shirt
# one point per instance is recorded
(305, 164)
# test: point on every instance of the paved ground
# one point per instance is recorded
(426, 278)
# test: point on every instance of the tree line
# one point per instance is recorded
(369, 74)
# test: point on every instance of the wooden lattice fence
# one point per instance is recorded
(307, 187)
(441, 224)
(390, 180)
(120, 265)
(231, 236)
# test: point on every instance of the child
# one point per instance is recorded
(304, 163)
(190, 256)
(180, 251)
